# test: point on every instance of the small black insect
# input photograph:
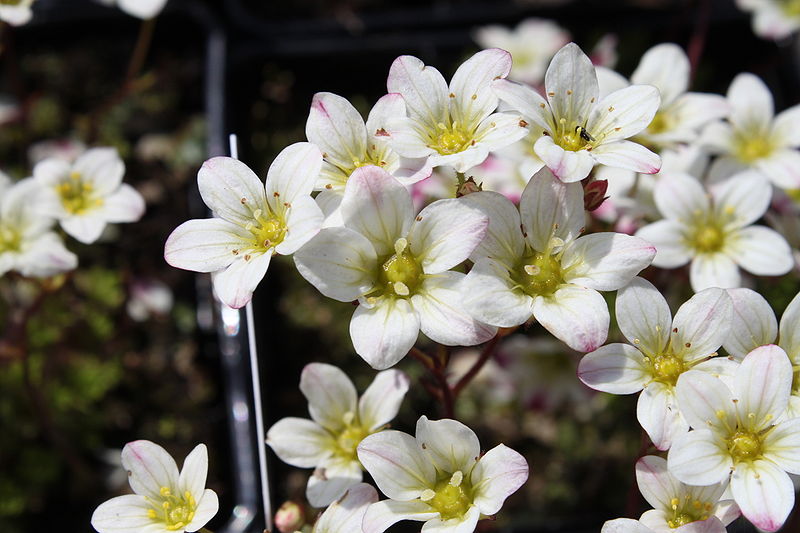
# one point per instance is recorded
(584, 134)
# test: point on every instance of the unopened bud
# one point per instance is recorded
(594, 194)
(468, 187)
(291, 517)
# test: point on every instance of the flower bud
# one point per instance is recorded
(290, 517)
(468, 187)
(594, 194)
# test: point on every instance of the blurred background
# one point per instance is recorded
(128, 348)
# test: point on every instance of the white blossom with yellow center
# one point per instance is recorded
(166, 501)
(773, 19)
(256, 221)
(346, 514)
(16, 12)
(438, 477)
(340, 421)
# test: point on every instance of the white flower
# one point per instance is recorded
(439, 477)
(532, 263)
(347, 143)
(340, 422)
(143, 9)
(27, 243)
(86, 195)
(16, 12)
(452, 125)
(713, 230)
(347, 514)
(255, 220)
(165, 500)
(662, 350)
(532, 44)
(773, 19)
(149, 297)
(398, 267)
(578, 128)
(754, 137)
(739, 432)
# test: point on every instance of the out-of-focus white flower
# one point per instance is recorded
(143, 9)
(347, 514)
(398, 266)
(87, 195)
(67, 149)
(532, 263)
(739, 432)
(714, 230)
(452, 125)
(147, 297)
(532, 44)
(256, 221)
(578, 128)
(27, 243)
(784, 217)
(166, 501)
(16, 12)
(290, 517)
(340, 422)
(438, 477)
(661, 350)
(754, 138)
(773, 19)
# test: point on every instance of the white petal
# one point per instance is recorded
(742, 199)
(526, 100)
(714, 270)
(387, 107)
(331, 480)
(235, 285)
(194, 471)
(381, 401)
(702, 324)
(790, 329)
(665, 66)
(628, 155)
(761, 251)
(207, 508)
(448, 444)
(763, 384)
(471, 94)
(786, 126)
(667, 237)
(330, 394)
(498, 475)
(149, 468)
(623, 113)
(571, 84)
(605, 261)
(491, 296)
(143, 9)
(625, 525)
(782, 445)
(407, 137)
(292, 174)
(550, 208)
(764, 493)
(303, 220)
(463, 524)
(85, 228)
(566, 165)
(337, 129)
(575, 315)
(695, 458)
(658, 414)
(397, 464)
(230, 189)
(124, 514)
(655, 482)
(680, 197)
(753, 324)
(300, 442)
(383, 334)
(781, 167)
(383, 514)
(102, 167)
(124, 205)
(423, 88)
(500, 130)
(751, 102)
(616, 368)
(346, 515)
(705, 401)
(643, 316)
(717, 138)
(206, 245)
(503, 241)
(46, 256)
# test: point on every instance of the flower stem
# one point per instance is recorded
(486, 354)
(436, 369)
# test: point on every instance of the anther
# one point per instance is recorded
(456, 478)
(427, 495)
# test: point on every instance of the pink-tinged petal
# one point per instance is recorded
(384, 333)
(705, 401)
(790, 330)
(381, 401)
(658, 414)
(235, 285)
(782, 445)
(571, 84)
(207, 508)
(472, 98)
(330, 394)
(764, 493)
(303, 220)
(412, 170)
(763, 384)
(300, 442)
(667, 237)
(85, 228)
(527, 101)
(550, 208)
(714, 270)
(149, 468)
(292, 175)
(337, 129)
(194, 471)
(616, 368)
(625, 525)
(680, 197)
(702, 324)
(575, 315)
(643, 316)
(787, 126)
(753, 324)
(124, 514)
(102, 167)
(124, 205)
(448, 444)
(760, 250)
(628, 155)
(500, 130)
(383, 514)
(378, 207)
(231, 190)
(742, 199)
(491, 296)
(442, 314)
(463, 524)
(503, 241)
(346, 515)
(566, 165)
(498, 475)
(655, 482)
(665, 66)
(445, 233)
(397, 463)
(697, 458)
(605, 261)
(331, 480)
(751, 103)
(423, 88)
(623, 113)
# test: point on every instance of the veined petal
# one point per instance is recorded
(500, 130)
(102, 167)
(207, 507)
(472, 98)
(292, 175)
(680, 197)
(666, 67)
(330, 394)
(696, 458)
(337, 129)
(381, 401)
(575, 315)
(194, 472)
(760, 250)
(643, 316)
(616, 368)
(567, 166)
(407, 137)
(383, 514)
(753, 324)
(623, 113)
(605, 261)
(658, 414)
(751, 102)
(705, 401)
(445, 233)
(782, 445)
(235, 285)
(526, 100)
(230, 189)
(491, 296)
(714, 270)
(331, 480)
(387, 107)
(628, 155)
(123, 205)
(742, 199)
(300, 442)
(304, 219)
(149, 468)
(124, 514)
(790, 330)
(667, 237)
(498, 475)
(384, 333)
(550, 208)
(781, 167)
(423, 88)
(655, 482)
(702, 324)
(763, 384)
(764, 493)
(448, 444)
(397, 464)
(346, 515)
(503, 241)
(571, 84)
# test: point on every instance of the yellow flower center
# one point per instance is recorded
(707, 238)
(572, 136)
(790, 7)
(795, 377)
(744, 446)
(688, 511)
(348, 439)
(10, 239)
(10, 2)
(268, 230)
(753, 148)
(401, 274)
(451, 497)
(539, 274)
(176, 511)
(77, 196)
(451, 139)
(667, 368)
(659, 124)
